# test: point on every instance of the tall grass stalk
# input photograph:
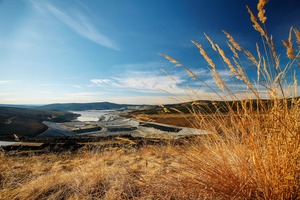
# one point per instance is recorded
(253, 151)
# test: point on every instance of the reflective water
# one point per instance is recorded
(90, 115)
(5, 143)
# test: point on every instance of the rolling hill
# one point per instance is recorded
(28, 122)
(83, 106)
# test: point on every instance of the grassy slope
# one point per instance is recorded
(118, 173)
(22, 121)
(208, 107)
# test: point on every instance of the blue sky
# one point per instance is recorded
(54, 51)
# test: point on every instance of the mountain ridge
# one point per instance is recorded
(84, 106)
(74, 106)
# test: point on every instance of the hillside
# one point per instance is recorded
(19, 105)
(211, 107)
(83, 106)
(28, 122)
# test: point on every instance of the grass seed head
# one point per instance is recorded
(297, 33)
(204, 54)
(226, 60)
(289, 46)
(211, 42)
(255, 23)
(232, 41)
(172, 60)
(261, 11)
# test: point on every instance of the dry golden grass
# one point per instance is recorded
(255, 152)
(181, 120)
(252, 153)
(110, 174)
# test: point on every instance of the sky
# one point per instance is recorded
(54, 51)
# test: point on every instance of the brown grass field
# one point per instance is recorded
(181, 120)
(119, 173)
(251, 153)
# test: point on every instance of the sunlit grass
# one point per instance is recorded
(254, 151)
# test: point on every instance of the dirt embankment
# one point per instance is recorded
(180, 120)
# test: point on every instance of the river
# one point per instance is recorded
(5, 143)
(91, 115)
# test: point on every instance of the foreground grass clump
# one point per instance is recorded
(254, 149)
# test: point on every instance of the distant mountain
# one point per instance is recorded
(84, 106)
(19, 106)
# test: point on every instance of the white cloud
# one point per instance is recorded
(78, 22)
(201, 72)
(77, 86)
(101, 81)
(144, 82)
(5, 82)
(152, 83)
(107, 83)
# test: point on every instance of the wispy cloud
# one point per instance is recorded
(145, 82)
(159, 87)
(101, 81)
(156, 83)
(4, 82)
(77, 86)
(78, 22)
